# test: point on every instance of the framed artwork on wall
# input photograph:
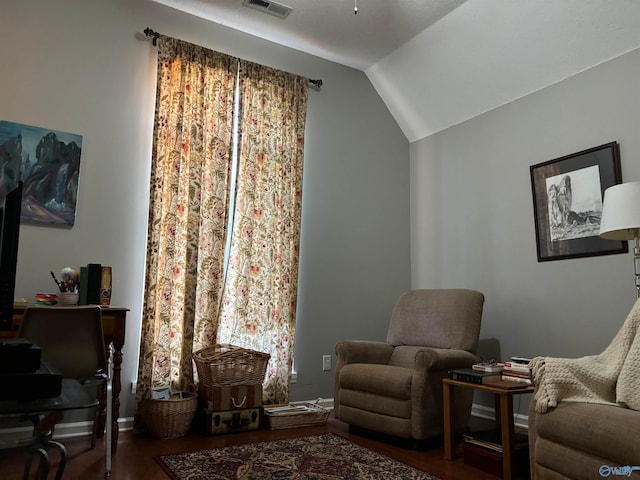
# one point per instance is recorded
(48, 162)
(567, 203)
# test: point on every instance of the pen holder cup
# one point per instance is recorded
(68, 298)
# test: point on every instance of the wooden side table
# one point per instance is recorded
(504, 417)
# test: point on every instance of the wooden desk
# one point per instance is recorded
(504, 418)
(113, 327)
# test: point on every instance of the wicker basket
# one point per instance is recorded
(224, 365)
(314, 415)
(169, 418)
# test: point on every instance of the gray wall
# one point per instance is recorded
(472, 214)
(84, 66)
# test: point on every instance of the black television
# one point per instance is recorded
(9, 235)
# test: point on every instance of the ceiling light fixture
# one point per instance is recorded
(355, 7)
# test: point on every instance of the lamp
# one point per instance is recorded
(621, 219)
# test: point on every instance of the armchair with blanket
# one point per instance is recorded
(584, 418)
(395, 387)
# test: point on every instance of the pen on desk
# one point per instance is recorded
(55, 279)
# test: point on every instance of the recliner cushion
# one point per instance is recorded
(385, 380)
(404, 356)
(561, 461)
(443, 318)
(387, 424)
(378, 404)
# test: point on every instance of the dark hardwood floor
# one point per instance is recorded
(134, 457)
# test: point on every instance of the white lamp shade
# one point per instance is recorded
(621, 212)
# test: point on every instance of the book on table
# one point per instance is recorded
(521, 360)
(517, 370)
(507, 384)
(516, 379)
(470, 375)
(488, 367)
(517, 374)
(516, 367)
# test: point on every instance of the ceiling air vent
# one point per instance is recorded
(272, 8)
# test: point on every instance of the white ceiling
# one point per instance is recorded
(436, 63)
(329, 28)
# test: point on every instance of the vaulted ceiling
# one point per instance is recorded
(436, 63)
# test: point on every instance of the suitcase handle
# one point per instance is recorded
(244, 400)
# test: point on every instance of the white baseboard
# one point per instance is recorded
(479, 411)
(488, 413)
(80, 429)
(62, 431)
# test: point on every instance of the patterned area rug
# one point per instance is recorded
(318, 457)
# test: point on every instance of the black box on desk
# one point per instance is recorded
(18, 355)
(44, 383)
(90, 278)
(227, 421)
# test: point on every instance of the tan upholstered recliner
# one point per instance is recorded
(395, 387)
(584, 417)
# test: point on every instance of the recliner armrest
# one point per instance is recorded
(443, 359)
(357, 351)
(362, 351)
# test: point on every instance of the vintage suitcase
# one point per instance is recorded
(228, 421)
(233, 397)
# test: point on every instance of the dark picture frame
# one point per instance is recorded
(567, 203)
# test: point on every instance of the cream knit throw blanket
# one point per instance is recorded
(612, 377)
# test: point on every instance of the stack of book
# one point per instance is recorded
(470, 375)
(20, 303)
(492, 439)
(517, 370)
(483, 450)
(287, 409)
(493, 367)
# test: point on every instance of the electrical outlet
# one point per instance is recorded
(133, 387)
(326, 362)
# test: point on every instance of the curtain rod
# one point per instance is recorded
(150, 33)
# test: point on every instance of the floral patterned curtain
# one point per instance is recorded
(190, 173)
(259, 299)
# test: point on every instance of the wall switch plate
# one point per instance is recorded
(326, 362)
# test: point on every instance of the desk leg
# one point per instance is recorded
(117, 387)
(506, 426)
(448, 399)
(101, 415)
(115, 402)
(43, 431)
(498, 410)
(43, 466)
